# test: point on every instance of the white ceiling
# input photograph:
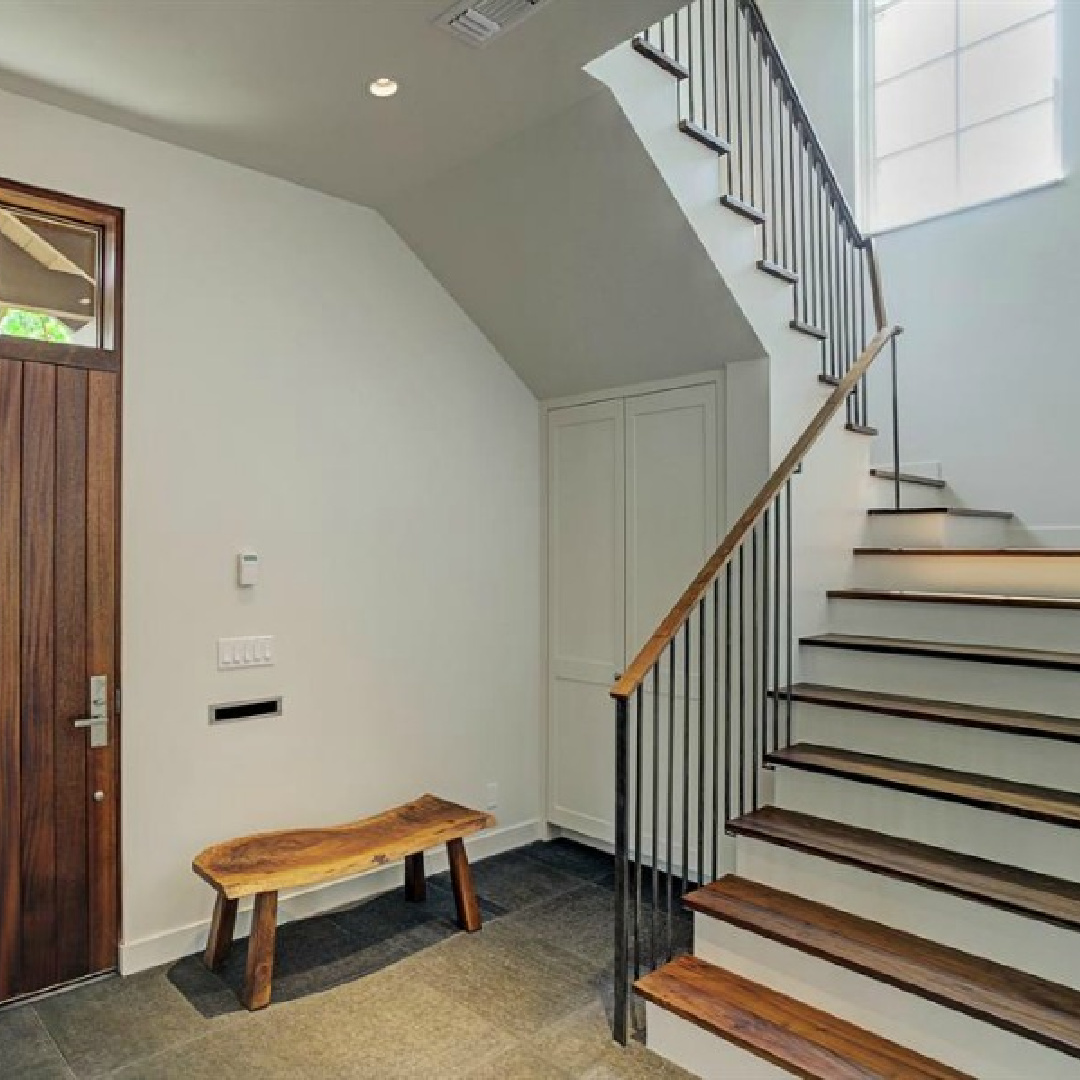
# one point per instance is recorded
(280, 85)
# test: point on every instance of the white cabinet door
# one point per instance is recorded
(632, 516)
(586, 610)
(671, 496)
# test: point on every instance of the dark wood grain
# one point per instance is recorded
(914, 596)
(293, 858)
(39, 926)
(415, 879)
(791, 1035)
(72, 685)
(468, 907)
(102, 591)
(1010, 721)
(985, 792)
(260, 958)
(1034, 1008)
(10, 678)
(219, 944)
(937, 650)
(1010, 888)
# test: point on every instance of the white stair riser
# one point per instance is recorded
(1007, 938)
(989, 834)
(1016, 627)
(882, 494)
(935, 530)
(1001, 685)
(941, 1033)
(1036, 575)
(1048, 763)
(702, 1053)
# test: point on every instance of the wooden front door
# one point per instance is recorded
(59, 593)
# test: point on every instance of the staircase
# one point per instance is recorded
(869, 798)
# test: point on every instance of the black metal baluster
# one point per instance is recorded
(670, 861)
(730, 132)
(716, 728)
(729, 689)
(771, 209)
(701, 743)
(750, 41)
(688, 640)
(785, 122)
(692, 114)
(654, 897)
(738, 104)
(742, 681)
(776, 630)
(622, 958)
(765, 612)
(790, 619)
(638, 780)
(703, 59)
(895, 423)
(755, 666)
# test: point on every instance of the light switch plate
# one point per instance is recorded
(238, 652)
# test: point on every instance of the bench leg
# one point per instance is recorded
(260, 960)
(221, 932)
(468, 908)
(415, 881)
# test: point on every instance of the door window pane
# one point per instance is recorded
(1007, 72)
(49, 274)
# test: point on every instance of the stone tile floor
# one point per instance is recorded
(525, 999)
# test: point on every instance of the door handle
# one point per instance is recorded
(98, 720)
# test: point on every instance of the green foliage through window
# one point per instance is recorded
(32, 324)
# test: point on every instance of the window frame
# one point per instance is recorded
(109, 221)
(867, 159)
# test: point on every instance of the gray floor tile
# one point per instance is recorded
(589, 864)
(27, 1051)
(516, 880)
(109, 1024)
(517, 1063)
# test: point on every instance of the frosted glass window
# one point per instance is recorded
(913, 32)
(981, 18)
(963, 103)
(916, 107)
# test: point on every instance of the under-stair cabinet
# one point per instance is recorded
(634, 501)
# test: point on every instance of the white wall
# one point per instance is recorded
(989, 371)
(298, 383)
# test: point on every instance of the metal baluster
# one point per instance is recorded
(738, 103)
(895, 423)
(671, 791)
(793, 131)
(716, 728)
(785, 123)
(655, 895)
(690, 64)
(790, 619)
(864, 336)
(770, 221)
(638, 780)
(729, 735)
(750, 111)
(704, 67)
(741, 808)
(701, 743)
(755, 665)
(622, 959)
(687, 638)
(729, 133)
(776, 630)
(765, 655)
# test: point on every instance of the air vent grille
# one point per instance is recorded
(478, 22)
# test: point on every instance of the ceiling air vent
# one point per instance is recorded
(480, 21)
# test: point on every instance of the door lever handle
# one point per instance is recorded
(98, 720)
(99, 730)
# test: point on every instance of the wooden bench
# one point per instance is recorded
(263, 864)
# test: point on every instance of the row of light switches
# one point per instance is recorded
(237, 652)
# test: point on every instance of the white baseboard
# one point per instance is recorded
(182, 941)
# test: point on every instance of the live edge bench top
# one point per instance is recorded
(291, 858)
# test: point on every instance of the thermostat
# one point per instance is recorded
(247, 569)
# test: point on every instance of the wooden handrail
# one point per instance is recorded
(665, 633)
(776, 62)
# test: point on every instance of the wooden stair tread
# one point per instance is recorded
(916, 596)
(1013, 721)
(949, 511)
(706, 138)
(862, 429)
(947, 650)
(973, 789)
(907, 478)
(794, 1036)
(994, 553)
(1029, 1006)
(744, 209)
(1023, 892)
(289, 858)
(775, 270)
(660, 58)
(811, 331)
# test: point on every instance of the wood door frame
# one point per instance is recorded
(107, 358)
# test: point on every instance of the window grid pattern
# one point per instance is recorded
(963, 104)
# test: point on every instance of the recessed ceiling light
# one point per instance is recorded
(383, 88)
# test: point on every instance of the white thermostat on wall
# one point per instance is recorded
(247, 569)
